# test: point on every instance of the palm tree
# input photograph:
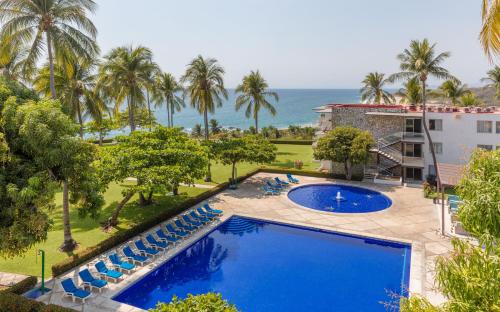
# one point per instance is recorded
(469, 99)
(373, 89)
(12, 60)
(490, 31)
(205, 89)
(253, 93)
(125, 75)
(493, 79)
(410, 93)
(64, 24)
(421, 62)
(215, 128)
(74, 81)
(167, 93)
(452, 90)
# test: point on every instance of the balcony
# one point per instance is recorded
(409, 161)
(412, 137)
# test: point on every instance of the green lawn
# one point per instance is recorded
(87, 232)
(286, 155)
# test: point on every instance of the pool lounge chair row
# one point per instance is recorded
(162, 238)
(276, 186)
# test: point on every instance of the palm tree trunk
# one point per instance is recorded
(168, 113)
(256, 123)
(51, 66)
(434, 160)
(131, 118)
(80, 119)
(149, 110)
(172, 110)
(208, 178)
(69, 243)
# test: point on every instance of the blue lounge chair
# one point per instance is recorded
(291, 179)
(89, 280)
(197, 217)
(281, 182)
(167, 238)
(212, 210)
(184, 227)
(269, 191)
(206, 213)
(274, 186)
(194, 223)
(157, 244)
(132, 256)
(170, 228)
(121, 265)
(74, 292)
(103, 270)
(139, 244)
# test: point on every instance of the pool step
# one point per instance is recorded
(239, 226)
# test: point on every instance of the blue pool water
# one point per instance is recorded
(353, 199)
(263, 266)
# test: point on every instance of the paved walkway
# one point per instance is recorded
(9, 279)
(411, 218)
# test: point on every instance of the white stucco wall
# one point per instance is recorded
(459, 136)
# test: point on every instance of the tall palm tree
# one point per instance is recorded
(421, 62)
(452, 91)
(12, 60)
(411, 93)
(205, 88)
(490, 31)
(74, 81)
(167, 93)
(373, 89)
(125, 75)
(253, 93)
(493, 79)
(63, 24)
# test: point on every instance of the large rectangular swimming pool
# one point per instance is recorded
(265, 266)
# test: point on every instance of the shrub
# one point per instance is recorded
(207, 302)
(10, 302)
(429, 191)
(298, 164)
(23, 286)
(293, 142)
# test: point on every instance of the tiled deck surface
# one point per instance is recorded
(9, 279)
(411, 218)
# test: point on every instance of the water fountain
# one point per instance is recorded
(339, 197)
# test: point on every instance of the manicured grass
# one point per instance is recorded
(87, 231)
(286, 155)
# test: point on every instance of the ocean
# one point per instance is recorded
(295, 107)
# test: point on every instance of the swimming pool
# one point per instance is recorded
(339, 198)
(266, 266)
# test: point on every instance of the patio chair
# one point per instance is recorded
(156, 244)
(74, 292)
(192, 222)
(291, 179)
(179, 232)
(117, 262)
(132, 256)
(269, 191)
(103, 270)
(89, 280)
(206, 213)
(185, 227)
(167, 238)
(274, 186)
(139, 244)
(197, 217)
(281, 182)
(212, 210)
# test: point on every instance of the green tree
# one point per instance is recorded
(101, 127)
(452, 91)
(74, 81)
(373, 89)
(142, 118)
(124, 76)
(469, 99)
(197, 131)
(67, 30)
(205, 90)
(411, 93)
(490, 31)
(215, 128)
(346, 145)
(47, 136)
(421, 62)
(12, 60)
(493, 80)
(160, 160)
(207, 302)
(253, 93)
(167, 93)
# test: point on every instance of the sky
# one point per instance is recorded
(296, 43)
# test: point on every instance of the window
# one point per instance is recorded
(485, 147)
(413, 125)
(436, 124)
(498, 126)
(484, 126)
(413, 150)
(413, 173)
(438, 148)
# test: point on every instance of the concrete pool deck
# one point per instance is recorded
(411, 219)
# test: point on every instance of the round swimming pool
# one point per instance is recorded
(339, 198)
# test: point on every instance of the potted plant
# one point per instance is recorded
(298, 164)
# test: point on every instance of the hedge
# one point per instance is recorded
(293, 142)
(309, 173)
(23, 286)
(122, 237)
